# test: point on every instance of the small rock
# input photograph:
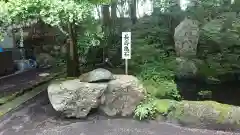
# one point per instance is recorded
(56, 47)
(44, 74)
(122, 96)
(74, 98)
(97, 75)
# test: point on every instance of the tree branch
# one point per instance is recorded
(63, 31)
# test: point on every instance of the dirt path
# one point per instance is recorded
(37, 117)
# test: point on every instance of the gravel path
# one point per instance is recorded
(37, 117)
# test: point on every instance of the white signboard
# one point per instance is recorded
(126, 45)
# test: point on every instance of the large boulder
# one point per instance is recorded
(186, 38)
(75, 98)
(186, 68)
(205, 114)
(97, 75)
(122, 96)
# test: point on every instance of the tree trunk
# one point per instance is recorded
(114, 10)
(106, 27)
(133, 11)
(113, 18)
(99, 12)
(72, 56)
(106, 16)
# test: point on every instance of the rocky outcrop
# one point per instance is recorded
(74, 98)
(122, 96)
(186, 38)
(199, 114)
(186, 68)
(217, 48)
(97, 75)
(206, 114)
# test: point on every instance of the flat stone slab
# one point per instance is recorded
(37, 117)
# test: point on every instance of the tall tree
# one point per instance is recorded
(57, 13)
(106, 27)
(72, 58)
(133, 11)
(106, 20)
(114, 10)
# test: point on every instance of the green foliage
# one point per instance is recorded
(146, 109)
(219, 43)
(153, 59)
(205, 10)
(1, 36)
(91, 37)
(164, 106)
(54, 12)
(151, 107)
(51, 12)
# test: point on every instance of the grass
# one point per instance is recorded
(7, 98)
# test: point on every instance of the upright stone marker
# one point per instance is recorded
(186, 38)
(126, 48)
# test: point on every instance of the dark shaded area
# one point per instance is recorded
(226, 91)
(7, 64)
(17, 82)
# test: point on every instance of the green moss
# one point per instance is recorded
(178, 111)
(7, 98)
(163, 105)
(184, 108)
(223, 109)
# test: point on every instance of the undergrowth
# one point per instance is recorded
(147, 109)
(151, 107)
(153, 62)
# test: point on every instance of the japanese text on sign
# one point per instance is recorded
(126, 45)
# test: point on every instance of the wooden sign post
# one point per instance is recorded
(126, 48)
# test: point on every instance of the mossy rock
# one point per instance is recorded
(206, 114)
(164, 105)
